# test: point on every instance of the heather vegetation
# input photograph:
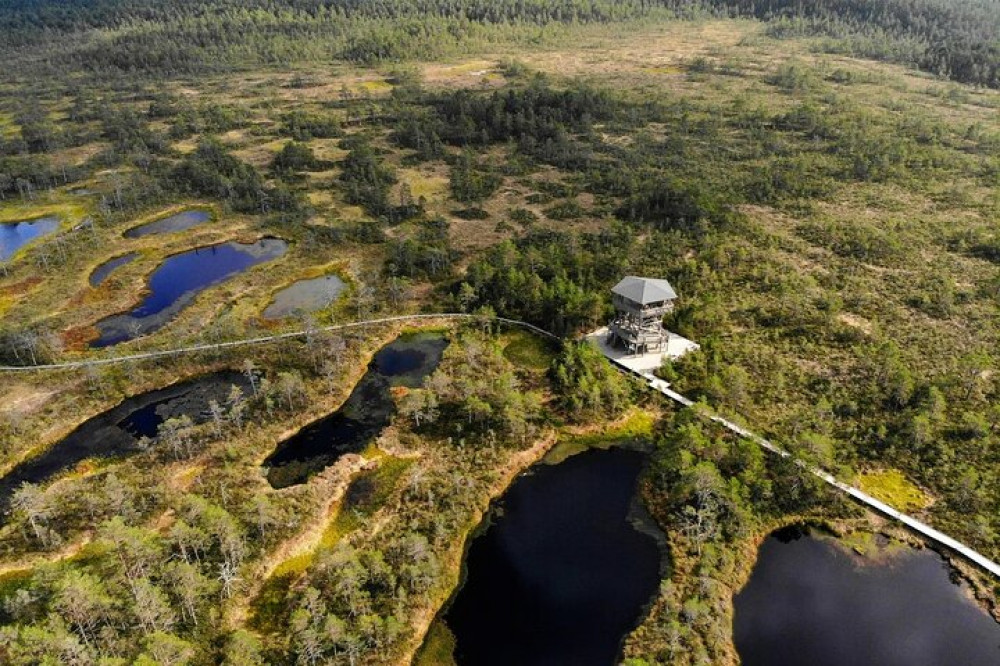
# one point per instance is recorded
(828, 222)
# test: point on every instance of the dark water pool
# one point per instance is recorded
(104, 271)
(15, 235)
(117, 431)
(404, 362)
(561, 575)
(809, 602)
(169, 224)
(179, 279)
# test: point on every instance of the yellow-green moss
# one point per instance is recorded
(637, 425)
(891, 487)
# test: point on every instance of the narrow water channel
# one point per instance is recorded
(404, 362)
(811, 602)
(561, 574)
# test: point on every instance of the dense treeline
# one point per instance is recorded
(212, 172)
(836, 261)
(548, 278)
(25, 16)
(714, 492)
(958, 40)
(205, 35)
(149, 590)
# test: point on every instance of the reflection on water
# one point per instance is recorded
(165, 225)
(809, 602)
(305, 296)
(104, 271)
(561, 575)
(403, 362)
(15, 235)
(117, 431)
(179, 279)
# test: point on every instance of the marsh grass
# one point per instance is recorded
(892, 487)
(528, 351)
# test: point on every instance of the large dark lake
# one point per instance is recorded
(179, 279)
(561, 574)
(809, 602)
(404, 362)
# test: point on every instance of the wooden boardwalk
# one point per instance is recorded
(921, 528)
(266, 339)
(663, 387)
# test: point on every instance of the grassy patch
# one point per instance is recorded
(372, 452)
(371, 489)
(377, 86)
(529, 351)
(269, 611)
(12, 581)
(340, 525)
(5, 303)
(428, 185)
(891, 487)
(862, 543)
(636, 425)
(8, 128)
(368, 492)
(470, 67)
(24, 211)
(90, 555)
(871, 546)
(438, 648)
(666, 69)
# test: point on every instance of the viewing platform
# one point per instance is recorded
(636, 339)
(645, 364)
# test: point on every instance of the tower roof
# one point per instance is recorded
(644, 290)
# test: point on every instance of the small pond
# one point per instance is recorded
(179, 279)
(170, 224)
(563, 571)
(305, 296)
(117, 432)
(15, 235)
(404, 362)
(809, 601)
(104, 271)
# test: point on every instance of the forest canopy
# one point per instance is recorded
(960, 40)
(829, 223)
